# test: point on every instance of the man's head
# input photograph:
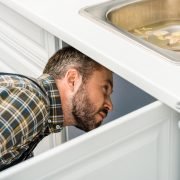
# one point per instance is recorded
(85, 87)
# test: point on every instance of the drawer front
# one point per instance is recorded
(25, 37)
(141, 145)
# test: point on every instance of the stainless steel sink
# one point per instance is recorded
(152, 23)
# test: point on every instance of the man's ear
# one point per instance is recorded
(73, 79)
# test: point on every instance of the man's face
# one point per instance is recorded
(91, 103)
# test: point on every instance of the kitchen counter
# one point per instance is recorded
(135, 63)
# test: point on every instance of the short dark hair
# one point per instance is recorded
(69, 57)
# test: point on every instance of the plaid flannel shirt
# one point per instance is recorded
(25, 113)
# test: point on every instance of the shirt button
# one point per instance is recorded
(49, 121)
(58, 127)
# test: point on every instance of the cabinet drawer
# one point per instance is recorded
(140, 145)
(26, 37)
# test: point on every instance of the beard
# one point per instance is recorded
(84, 111)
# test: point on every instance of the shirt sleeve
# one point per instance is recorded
(22, 117)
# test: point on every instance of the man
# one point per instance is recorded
(73, 90)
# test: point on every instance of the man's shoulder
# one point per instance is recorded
(14, 82)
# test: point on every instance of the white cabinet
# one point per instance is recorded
(142, 145)
(25, 49)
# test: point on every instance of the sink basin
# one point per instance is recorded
(154, 24)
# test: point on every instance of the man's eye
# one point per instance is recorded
(105, 89)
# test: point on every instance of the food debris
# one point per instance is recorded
(176, 33)
(163, 38)
(160, 33)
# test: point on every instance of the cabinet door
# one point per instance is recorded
(14, 61)
(25, 48)
(143, 145)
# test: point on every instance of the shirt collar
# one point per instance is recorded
(55, 121)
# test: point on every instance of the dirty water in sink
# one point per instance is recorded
(164, 34)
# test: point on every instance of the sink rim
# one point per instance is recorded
(98, 14)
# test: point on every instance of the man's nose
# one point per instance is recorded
(108, 104)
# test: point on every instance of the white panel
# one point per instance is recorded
(5, 68)
(21, 43)
(25, 49)
(16, 62)
(26, 37)
(49, 142)
(22, 25)
(137, 146)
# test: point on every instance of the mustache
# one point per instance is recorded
(87, 129)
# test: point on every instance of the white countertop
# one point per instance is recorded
(145, 69)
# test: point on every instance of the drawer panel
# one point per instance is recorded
(141, 145)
